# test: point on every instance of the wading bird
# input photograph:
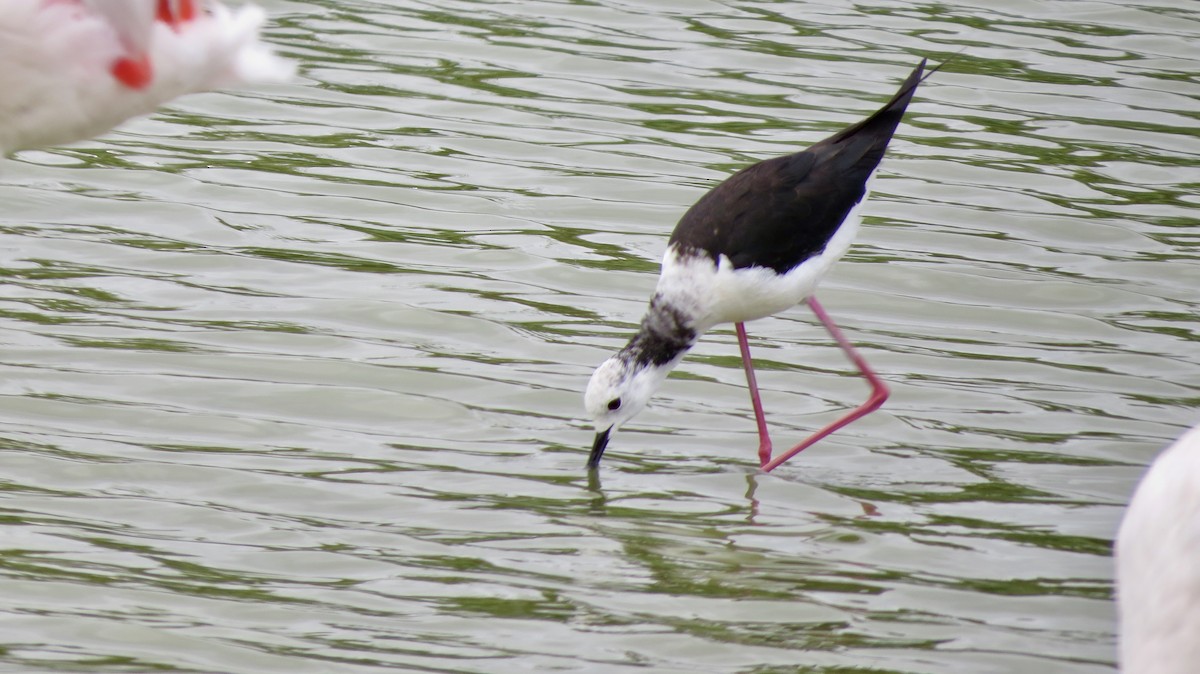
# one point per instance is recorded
(74, 69)
(1158, 565)
(753, 246)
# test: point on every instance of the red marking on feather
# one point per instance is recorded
(133, 72)
(176, 13)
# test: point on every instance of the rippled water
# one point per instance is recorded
(292, 378)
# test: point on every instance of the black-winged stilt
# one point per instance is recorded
(73, 69)
(1158, 565)
(753, 246)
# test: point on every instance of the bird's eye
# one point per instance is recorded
(614, 404)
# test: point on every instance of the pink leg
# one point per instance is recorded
(764, 437)
(879, 391)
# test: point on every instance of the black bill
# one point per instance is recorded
(598, 448)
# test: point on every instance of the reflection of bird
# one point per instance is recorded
(73, 69)
(1158, 565)
(755, 245)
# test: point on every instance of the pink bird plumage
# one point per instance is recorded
(74, 69)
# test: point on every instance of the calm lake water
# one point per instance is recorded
(292, 378)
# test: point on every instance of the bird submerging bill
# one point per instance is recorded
(753, 246)
(74, 69)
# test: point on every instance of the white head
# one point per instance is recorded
(618, 390)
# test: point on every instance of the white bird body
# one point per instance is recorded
(1158, 566)
(74, 69)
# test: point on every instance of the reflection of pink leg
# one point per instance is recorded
(879, 391)
(764, 437)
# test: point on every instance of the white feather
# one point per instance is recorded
(132, 21)
(56, 58)
(1158, 566)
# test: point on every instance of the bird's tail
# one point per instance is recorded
(893, 110)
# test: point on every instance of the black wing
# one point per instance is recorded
(780, 212)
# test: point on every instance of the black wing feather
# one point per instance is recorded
(780, 212)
